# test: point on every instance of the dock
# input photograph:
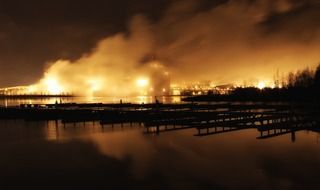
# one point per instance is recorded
(270, 119)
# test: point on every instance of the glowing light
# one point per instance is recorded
(53, 86)
(142, 82)
(144, 99)
(261, 85)
(31, 89)
(176, 92)
(95, 85)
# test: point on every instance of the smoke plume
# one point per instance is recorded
(236, 41)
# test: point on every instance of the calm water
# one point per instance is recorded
(136, 99)
(52, 156)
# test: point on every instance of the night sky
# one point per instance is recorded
(185, 34)
(35, 32)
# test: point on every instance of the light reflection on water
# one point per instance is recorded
(172, 160)
(136, 99)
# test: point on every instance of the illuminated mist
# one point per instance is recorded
(237, 42)
(113, 68)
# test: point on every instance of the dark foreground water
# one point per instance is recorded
(44, 155)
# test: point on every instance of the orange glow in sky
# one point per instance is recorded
(52, 86)
(261, 85)
(142, 82)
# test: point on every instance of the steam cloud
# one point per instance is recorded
(232, 42)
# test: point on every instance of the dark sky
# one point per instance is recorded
(35, 32)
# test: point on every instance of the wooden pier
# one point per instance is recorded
(270, 119)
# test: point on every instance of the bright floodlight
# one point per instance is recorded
(142, 82)
(53, 86)
(261, 85)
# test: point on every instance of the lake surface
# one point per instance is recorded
(135, 99)
(49, 155)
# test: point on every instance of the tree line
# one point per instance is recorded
(303, 85)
